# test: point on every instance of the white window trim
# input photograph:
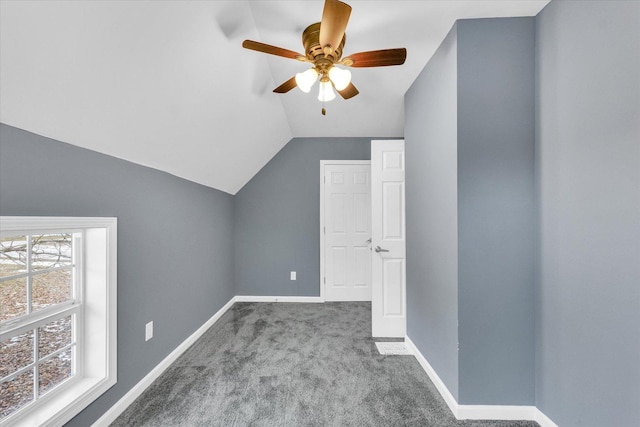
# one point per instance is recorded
(100, 331)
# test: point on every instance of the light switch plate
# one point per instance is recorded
(293, 275)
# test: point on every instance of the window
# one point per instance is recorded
(57, 316)
(40, 309)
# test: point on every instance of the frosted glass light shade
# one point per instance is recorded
(306, 79)
(340, 78)
(326, 92)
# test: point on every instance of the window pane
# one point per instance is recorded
(53, 336)
(15, 353)
(51, 288)
(13, 255)
(13, 298)
(16, 393)
(50, 250)
(54, 371)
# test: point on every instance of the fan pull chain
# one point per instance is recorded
(324, 112)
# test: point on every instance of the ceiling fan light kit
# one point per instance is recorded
(326, 91)
(340, 78)
(323, 43)
(306, 79)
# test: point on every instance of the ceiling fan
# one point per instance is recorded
(323, 43)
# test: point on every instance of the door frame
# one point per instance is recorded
(324, 163)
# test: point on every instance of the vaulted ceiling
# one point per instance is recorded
(167, 84)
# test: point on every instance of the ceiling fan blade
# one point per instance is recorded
(376, 58)
(273, 50)
(335, 17)
(349, 92)
(286, 86)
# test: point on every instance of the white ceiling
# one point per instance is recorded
(167, 84)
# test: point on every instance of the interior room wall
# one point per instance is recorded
(496, 221)
(588, 162)
(431, 135)
(175, 242)
(469, 121)
(277, 218)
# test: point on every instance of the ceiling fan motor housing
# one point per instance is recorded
(315, 53)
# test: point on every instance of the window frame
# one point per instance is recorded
(94, 334)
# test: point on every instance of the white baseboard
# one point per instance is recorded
(444, 391)
(496, 412)
(543, 420)
(126, 400)
(251, 298)
(478, 412)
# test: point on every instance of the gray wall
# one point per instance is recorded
(588, 153)
(496, 210)
(175, 241)
(277, 217)
(469, 123)
(432, 218)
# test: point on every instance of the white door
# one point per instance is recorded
(388, 303)
(346, 231)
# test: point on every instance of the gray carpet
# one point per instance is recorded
(287, 364)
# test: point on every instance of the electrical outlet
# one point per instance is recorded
(293, 275)
(148, 331)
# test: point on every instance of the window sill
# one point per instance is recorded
(64, 406)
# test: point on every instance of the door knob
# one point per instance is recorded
(379, 249)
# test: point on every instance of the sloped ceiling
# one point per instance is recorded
(167, 84)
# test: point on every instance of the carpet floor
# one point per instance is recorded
(288, 364)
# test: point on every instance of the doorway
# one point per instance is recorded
(363, 236)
